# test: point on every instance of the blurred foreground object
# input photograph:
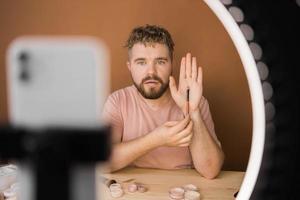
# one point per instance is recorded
(56, 88)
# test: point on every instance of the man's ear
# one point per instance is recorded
(128, 65)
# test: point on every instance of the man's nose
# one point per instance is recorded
(151, 68)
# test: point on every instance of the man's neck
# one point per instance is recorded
(158, 103)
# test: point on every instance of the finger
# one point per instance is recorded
(173, 87)
(187, 139)
(184, 145)
(194, 69)
(171, 123)
(185, 132)
(182, 74)
(200, 75)
(181, 125)
(188, 65)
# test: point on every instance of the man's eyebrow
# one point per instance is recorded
(158, 58)
(139, 59)
(162, 58)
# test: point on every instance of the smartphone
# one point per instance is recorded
(57, 81)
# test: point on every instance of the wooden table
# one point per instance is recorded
(159, 181)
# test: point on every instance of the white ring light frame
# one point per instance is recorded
(256, 93)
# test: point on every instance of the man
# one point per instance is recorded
(154, 126)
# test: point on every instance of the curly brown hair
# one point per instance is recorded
(149, 34)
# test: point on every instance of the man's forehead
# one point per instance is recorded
(149, 50)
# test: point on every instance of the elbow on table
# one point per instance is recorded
(211, 169)
(210, 174)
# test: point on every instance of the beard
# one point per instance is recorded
(152, 93)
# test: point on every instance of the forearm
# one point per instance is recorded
(207, 155)
(125, 153)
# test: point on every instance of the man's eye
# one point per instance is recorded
(141, 63)
(161, 62)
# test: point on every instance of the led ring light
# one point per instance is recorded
(261, 93)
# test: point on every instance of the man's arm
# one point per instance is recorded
(174, 133)
(124, 153)
(207, 155)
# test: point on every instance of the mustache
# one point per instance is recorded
(154, 77)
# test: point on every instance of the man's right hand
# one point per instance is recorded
(175, 133)
(172, 134)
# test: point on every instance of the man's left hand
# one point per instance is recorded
(190, 78)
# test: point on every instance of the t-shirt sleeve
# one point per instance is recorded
(112, 115)
(207, 118)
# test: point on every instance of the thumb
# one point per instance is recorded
(171, 123)
(172, 85)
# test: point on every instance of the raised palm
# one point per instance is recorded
(190, 78)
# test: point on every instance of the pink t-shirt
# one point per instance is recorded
(131, 117)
